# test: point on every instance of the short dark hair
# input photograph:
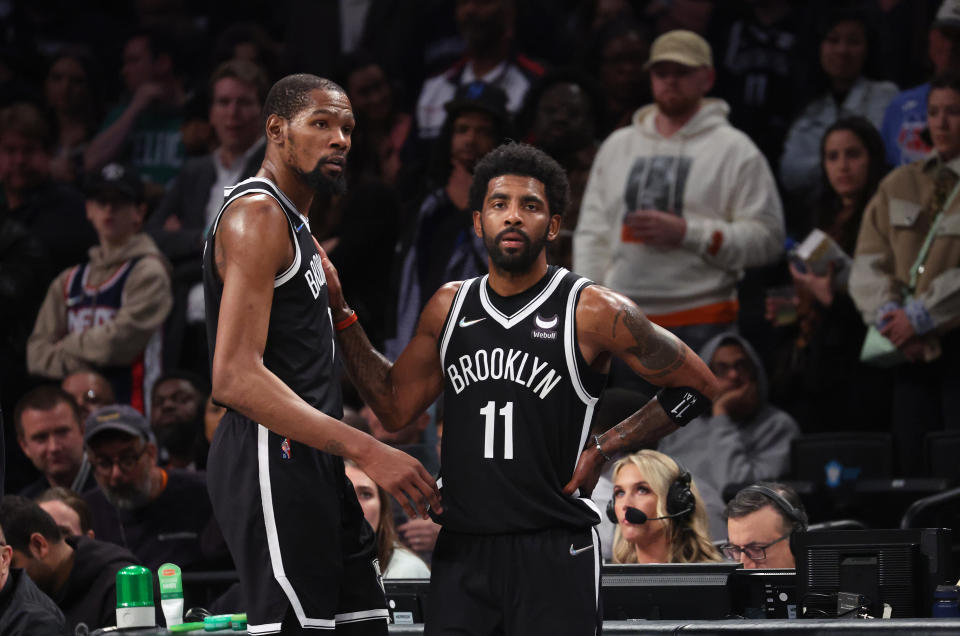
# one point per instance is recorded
(289, 95)
(194, 379)
(44, 398)
(523, 160)
(161, 41)
(947, 79)
(26, 120)
(76, 503)
(748, 501)
(21, 517)
(242, 71)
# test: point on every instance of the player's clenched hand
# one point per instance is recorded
(338, 305)
(403, 477)
(586, 474)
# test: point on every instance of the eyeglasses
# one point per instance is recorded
(753, 552)
(126, 462)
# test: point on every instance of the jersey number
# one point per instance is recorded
(489, 415)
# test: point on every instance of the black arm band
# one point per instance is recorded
(682, 403)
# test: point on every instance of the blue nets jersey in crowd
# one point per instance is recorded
(300, 345)
(518, 404)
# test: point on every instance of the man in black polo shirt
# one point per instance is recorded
(160, 514)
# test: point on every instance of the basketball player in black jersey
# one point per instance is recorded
(521, 356)
(305, 557)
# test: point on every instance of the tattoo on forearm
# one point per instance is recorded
(616, 319)
(369, 370)
(334, 447)
(643, 429)
(661, 355)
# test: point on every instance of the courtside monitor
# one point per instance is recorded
(674, 591)
(900, 568)
(770, 593)
(406, 600)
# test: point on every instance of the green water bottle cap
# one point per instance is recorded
(134, 587)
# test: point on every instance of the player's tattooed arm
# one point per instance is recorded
(397, 392)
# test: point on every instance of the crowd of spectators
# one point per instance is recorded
(703, 142)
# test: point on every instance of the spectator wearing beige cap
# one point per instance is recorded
(679, 202)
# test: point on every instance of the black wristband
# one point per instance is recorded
(682, 403)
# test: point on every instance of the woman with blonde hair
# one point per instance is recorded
(656, 486)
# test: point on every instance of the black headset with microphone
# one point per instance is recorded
(680, 503)
(797, 515)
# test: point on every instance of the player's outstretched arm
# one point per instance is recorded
(253, 244)
(611, 324)
(397, 392)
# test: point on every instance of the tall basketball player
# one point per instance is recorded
(305, 556)
(521, 357)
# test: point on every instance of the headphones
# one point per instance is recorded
(680, 499)
(797, 515)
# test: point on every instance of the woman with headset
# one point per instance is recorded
(659, 515)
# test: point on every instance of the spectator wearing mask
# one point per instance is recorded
(920, 322)
(177, 420)
(760, 520)
(744, 439)
(906, 116)
(24, 609)
(656, 485)
(50, 434)
(159, 514)
(843, 88)
(193, 198)
(679, 202)
(106, 313)
(78, 573)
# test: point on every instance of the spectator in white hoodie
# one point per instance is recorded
(679, 202)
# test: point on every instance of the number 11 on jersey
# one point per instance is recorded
(489, 414)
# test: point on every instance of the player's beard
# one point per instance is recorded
(322, 183)
(517, 262)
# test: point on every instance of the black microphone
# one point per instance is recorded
(637, 516)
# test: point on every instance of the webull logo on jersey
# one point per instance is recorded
(315, 276)
(545, 329)
(503, 365)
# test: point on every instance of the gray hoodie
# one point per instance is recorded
(719, 451)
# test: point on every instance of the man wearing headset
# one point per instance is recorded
(760, 520)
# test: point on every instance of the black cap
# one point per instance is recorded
(479, 95)
(117, 417)
(114, 180)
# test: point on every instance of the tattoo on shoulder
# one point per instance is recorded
(334, 447)
(657, 353)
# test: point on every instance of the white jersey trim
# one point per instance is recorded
(570, 352)
(282, 199)
(509, 321)
(452, 321)
(266, 628)
(273, 539)
(367, 615)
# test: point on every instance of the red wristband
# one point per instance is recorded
(346, 322)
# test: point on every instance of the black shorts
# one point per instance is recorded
(544, 582)
(305, 556)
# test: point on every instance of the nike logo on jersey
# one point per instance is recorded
(466, 323)
(576, 551)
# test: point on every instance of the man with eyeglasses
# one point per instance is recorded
(760, 520)
(50, 434)
(160, 514)
(744, 439)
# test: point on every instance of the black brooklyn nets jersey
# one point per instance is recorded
(300, 340)
(518, 403)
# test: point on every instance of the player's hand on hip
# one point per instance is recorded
(403, 477)
(586, 474)
(338, 305)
